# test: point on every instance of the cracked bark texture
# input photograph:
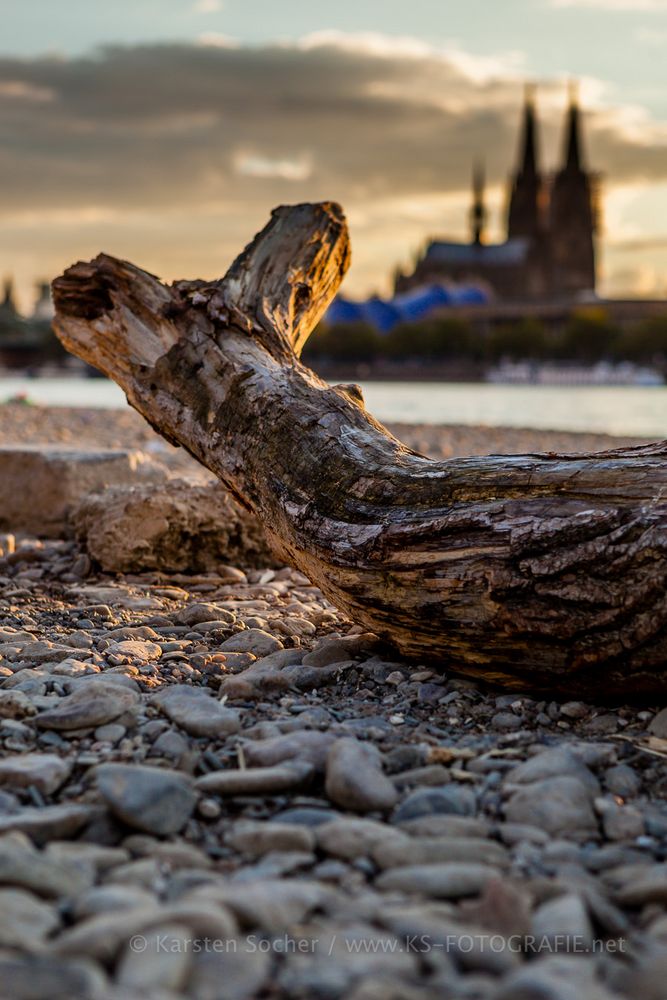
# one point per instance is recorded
(532, 571)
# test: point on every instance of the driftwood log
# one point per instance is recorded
(534, 571)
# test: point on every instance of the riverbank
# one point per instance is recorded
(86, 427)
(217, 785)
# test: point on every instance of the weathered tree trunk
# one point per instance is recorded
(536, 571)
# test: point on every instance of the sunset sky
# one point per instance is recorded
(166, 130)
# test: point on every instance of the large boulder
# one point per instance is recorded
(176, 526)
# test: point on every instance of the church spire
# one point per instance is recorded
(525, 210)
(528, 153)
(478, 211)
(572, 217)
(573, 130)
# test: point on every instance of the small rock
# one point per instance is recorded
(622, 780)
(648, 885)
(92, 704)
(307, 815)
(561, 806)
(196, 711)
(307, 744)
(438, 881)
(563, 924)
(135, 649)
(551, 764)
(172, 746)
(26, 868)
(352, 838)
(193, 614)
(339, 650)
(271, 904)
(444, 825)
(658, 725)
(25, 922)
(161, 962)
(433, 801)
(110, 899)
(427, 850)
(257, 780)
(255, 839)
(49, 822)
(147, 798)
(15, 705)
(98, 856)
(113, 732)
(251, 640)
(504, 907)
(429, 775)
(620, 822)
(44, 771)
(574, 710)
(355, 779)
(506, 722)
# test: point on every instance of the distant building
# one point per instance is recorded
(12, 324)
(549, 253)
(27, 342)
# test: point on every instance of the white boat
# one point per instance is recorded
(546, 373)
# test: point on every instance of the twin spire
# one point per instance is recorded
(572, 145)
(525, 194)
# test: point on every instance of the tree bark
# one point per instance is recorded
(534, 571)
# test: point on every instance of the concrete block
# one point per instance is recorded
(39, 484)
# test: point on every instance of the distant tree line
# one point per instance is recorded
(587, 337)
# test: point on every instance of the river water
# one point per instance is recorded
(623, 410)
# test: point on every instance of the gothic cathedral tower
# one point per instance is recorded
(525, 194)
(572, 217)
(526, 217)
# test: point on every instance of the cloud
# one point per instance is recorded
(207, 6)
(251, 165)
(175, 154)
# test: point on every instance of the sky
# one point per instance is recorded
(164, 131)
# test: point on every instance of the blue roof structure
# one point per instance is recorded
(407, 307)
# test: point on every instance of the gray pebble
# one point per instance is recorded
(355, 779)
(196, 711)
(432, 801)
(560, 806)
(256, 780)
(147, 798)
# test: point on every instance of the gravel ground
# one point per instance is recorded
(219, 787)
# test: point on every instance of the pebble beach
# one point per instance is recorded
(214, 785)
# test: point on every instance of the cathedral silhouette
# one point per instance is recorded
(549, 253)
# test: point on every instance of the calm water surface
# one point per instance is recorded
(625, 410)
